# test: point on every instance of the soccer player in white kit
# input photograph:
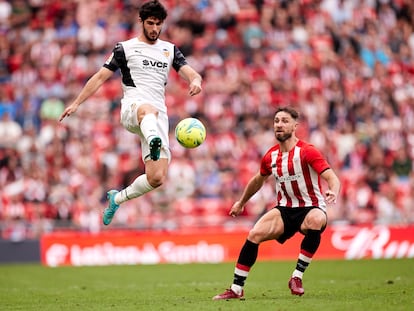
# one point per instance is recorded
(145, 62)
(300, 203)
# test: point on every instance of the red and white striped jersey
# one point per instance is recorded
(297, 174)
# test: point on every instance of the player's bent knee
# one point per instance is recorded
(316, 225)
(315, 221)
(156, 179)
(145, 109)
(252, 237)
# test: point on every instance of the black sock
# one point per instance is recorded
(248, 254)
(311, 241)
(247, 258)
(309, 246)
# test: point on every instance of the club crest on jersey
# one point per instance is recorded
(166, 53)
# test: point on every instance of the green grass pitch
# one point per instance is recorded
(329, 285)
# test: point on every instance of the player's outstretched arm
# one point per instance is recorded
(254, 185)
(93, 84)
(334, 186)
(192, 77)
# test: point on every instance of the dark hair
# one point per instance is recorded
(293, 113)
(153, 8)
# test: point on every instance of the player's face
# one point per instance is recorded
(284, 126)
(152, 28)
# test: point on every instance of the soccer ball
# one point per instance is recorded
(190, 132)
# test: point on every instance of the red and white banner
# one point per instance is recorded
(218, 245)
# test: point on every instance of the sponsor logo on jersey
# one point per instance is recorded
(288, 177)
(153, 63)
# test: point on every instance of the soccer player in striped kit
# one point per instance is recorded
(297, 167)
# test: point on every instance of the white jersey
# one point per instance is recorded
(144, 69)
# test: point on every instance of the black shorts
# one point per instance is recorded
(293, 219)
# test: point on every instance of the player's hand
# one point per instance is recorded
(195, 88)
(68, 111)
(236, 209)
(330, 197)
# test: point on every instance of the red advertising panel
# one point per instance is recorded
(213, 246)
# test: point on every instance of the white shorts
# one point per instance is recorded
(129, 121)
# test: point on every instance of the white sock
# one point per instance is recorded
(297, 274)
(149, 126)
(236, 288)
(139, 187)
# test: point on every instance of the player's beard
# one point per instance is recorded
(283, 137)
(152, 38)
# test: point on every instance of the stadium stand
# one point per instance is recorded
(347, 65)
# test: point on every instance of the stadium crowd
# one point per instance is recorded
(347, 65)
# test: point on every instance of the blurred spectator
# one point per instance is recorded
(10, 130)
(348, 65)
(387, 211)
(402, 165)
(27, 114)
(5, 13)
